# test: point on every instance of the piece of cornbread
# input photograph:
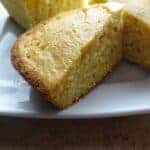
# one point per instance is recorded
(137, 32)
(30, 12)
(64, 57)
(136, 43)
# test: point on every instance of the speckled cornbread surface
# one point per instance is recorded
(64, 57)
(28, 13)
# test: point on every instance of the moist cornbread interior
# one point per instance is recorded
(66, 56)
(30, 12)
(136, 34)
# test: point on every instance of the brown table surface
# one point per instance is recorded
(127, 133)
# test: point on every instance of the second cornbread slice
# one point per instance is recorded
(66, 56)
(136, 31)
(30, 12)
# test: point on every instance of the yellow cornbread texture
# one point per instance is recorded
(137, 32)
(136, 35)
(27, 13)
(64, 57)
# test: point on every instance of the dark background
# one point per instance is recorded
(127, 133)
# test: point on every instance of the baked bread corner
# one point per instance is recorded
(64, 57)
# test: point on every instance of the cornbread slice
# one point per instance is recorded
(19, 10)
(64, 57)
(137, 31)
(27, 13)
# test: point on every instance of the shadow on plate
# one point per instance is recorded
(37, 105)
(127, 72)
(40, 104)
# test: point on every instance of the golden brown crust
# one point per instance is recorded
(38, 84)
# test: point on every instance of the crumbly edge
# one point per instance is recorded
(38, 85)
(32, 78)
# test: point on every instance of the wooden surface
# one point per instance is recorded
(128, 133)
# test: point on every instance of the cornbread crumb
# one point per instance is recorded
(80, 48)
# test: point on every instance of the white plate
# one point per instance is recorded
(126, 91)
